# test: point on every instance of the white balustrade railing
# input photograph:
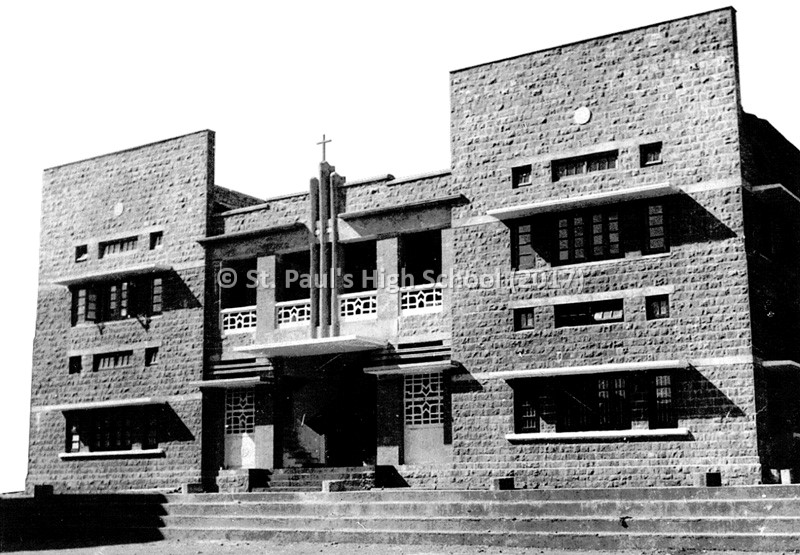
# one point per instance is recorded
(354, 306)
(293, 312)
(421, 298)
(238, 320)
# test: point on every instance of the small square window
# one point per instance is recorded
(523, 319)
(151, 356)
(657, 307)
(81, 253)
(75, 364)
(650, 154)
(521, 176)
(156, 240)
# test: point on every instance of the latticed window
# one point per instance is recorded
(571, 240)
(111, 431)
(656, 229)
(588, 314)
(612, 403)
(594, 404)
(118, 246)
(605, 234)
(523, 254)
(584, 164)
(117, 300)
(423, 399)
(108, 361)
(240, 411)
(662, 414)
(588, 235)
(527, 413)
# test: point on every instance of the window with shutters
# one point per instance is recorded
(117, 300)
(111, 430)
(588, 235)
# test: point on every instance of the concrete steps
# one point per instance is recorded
(765, 518)
(296, 480)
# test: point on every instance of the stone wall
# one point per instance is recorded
(165, 186)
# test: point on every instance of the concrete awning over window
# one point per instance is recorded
(654, 365)
(229, 383)
(109, 404)
(776, 192)
(585, 201)
(112, 274)
(314, 347)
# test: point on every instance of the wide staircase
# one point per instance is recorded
(295, 480)
(758, 518)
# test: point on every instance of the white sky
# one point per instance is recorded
(85, 78)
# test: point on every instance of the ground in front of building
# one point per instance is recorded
(309, 548)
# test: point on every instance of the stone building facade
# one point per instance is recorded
(602, 290)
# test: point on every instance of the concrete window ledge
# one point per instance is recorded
(601, 435)
(133, 453)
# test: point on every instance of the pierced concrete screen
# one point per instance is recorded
(240, 411)
(423, 398)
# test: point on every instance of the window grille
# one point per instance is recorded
(109, 361)
(423, 399)
(240, 411)
(118, 246)
(584, 164)
(662, 414)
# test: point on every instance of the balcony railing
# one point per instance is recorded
(358, 306)
(421, 298)
(293, 312)
(239, 320)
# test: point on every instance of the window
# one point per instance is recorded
(75, 364)
(527, 413)
(151, 356)
(656, 229)
(523, 255)
(117, 300)
(650, 154)
(521, 176)
(156, 240)
(523, 319)
(111, 431)
(599, 402)
(662, 414)
(110, 361)
(118, 246)
(584, 164)
(588, 314)
(657, 307)
(81, 253)
(423, 399)
(593, 235)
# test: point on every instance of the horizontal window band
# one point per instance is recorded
(601, 435)
(132, 453)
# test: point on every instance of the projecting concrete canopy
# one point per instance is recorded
(315, 347)
(585, 201)
(108, 275)
(109, 404)
(230, 383)
(590, 369)
(776, 192)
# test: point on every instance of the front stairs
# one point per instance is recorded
(752, 518)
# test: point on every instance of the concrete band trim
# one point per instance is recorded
(556, 205)
(132, 453)
(601, 435)
(600, 296)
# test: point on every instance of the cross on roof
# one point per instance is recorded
(323, 142)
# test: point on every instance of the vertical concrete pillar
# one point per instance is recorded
(265, 297)
(387, 264)
(336, 182)
(313, 249)
(448, 264)
(324, 255)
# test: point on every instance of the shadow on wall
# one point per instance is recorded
(46, 522)
(688, 223)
